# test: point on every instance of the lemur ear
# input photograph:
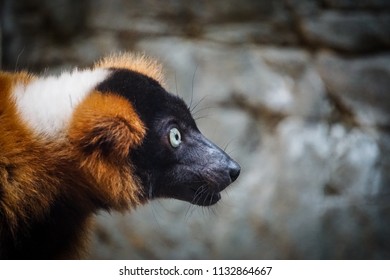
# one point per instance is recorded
(109, 136)
(106, 125)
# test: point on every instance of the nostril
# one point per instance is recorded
(234, 171)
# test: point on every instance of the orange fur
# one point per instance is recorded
(136, 62)
(31, 171)
(62, 182)
(103, 130)
(19, 160)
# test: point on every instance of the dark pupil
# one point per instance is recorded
(177, 137)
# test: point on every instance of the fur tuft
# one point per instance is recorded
(135, 62)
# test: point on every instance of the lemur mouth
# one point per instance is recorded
(205, 196)
(205, 189)
(209, 192)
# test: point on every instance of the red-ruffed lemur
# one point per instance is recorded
(109, 137)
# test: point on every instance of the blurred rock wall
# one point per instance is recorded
(297, 91)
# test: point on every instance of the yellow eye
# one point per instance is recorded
(174, 137)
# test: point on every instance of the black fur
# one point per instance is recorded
(197, 170)
(47, 237)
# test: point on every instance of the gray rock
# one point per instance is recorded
(357, 4)
(362, 83)
(254, 32)
(355, 32)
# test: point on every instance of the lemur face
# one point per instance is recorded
(174, 160)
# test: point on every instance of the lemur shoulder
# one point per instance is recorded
(107, 137)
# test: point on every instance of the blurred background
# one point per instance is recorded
(297, 91)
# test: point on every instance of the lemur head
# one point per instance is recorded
(174, 159)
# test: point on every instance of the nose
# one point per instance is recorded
(234, 170)
(219, 159)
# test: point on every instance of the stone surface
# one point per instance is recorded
(296, 91)
(356, 32)
(357, 4)
(362, 83)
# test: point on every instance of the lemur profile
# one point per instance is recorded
(108, 137)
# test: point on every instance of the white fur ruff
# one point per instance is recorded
(46, 104)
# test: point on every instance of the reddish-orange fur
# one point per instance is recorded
(103, 131)
(135, 62)
(60, 183)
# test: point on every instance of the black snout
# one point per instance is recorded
(234, 170)
(216, 163)
(216, 169)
